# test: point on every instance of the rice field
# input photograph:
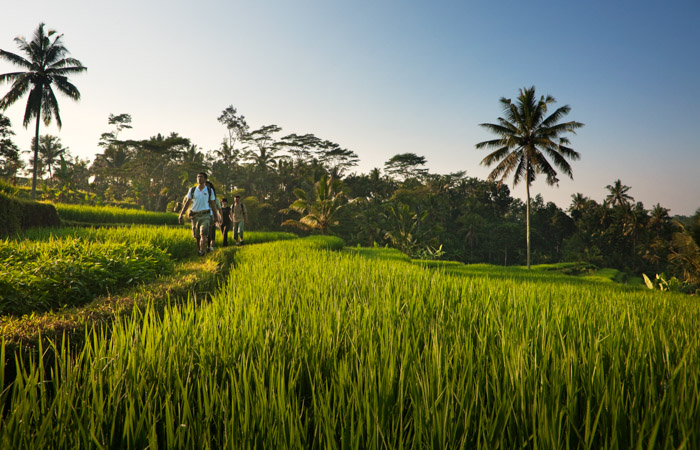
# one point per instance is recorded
(310, 345)
(45, 269)
(113, 215)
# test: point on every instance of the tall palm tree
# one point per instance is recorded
(618, 194)
(526, 137)
(47, 64)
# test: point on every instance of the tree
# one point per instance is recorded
(618, 194)
(405, 165)
(263, 158)
(319, 211)
(10, 161)
(110, 166)
(51, 151)
(409, 230)
(527, 136)
(47, 65)
(235, 125)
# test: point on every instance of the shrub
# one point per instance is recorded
(18, 214)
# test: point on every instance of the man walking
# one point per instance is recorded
(203, 200)
(239, 216)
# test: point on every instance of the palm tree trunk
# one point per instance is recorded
(527, 220)
(36, 152)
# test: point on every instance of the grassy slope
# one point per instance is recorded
(315, 348)
(191, 276)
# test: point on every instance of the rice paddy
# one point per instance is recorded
(312, 345)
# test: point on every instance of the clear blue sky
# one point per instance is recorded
(388, 77)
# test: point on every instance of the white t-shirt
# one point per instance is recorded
(200, 199)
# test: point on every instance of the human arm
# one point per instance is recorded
(218, 215)
(186, 203)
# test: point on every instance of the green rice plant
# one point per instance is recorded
(112, 214)
(48, 269)
(176, 241)
(308, 347)
(45, 275)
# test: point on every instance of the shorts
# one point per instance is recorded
(200, 225)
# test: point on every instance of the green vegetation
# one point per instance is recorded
(47, 66)
(311, 347)
(18, 214)
(113, 214)
(45, 275)
(526, 137)
(189, 275)
(48, 269)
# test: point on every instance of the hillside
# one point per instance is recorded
(313, 345)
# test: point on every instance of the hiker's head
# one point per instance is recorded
(236, 199)
(210, 186)
(224, 201)
(201, 177)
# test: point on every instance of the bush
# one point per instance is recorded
(18, 214)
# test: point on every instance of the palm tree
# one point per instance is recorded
(51, 150)
(578, 205)
(319, 213)
(618, 194)
(47, 65)
(527, 136)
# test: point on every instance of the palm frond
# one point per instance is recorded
(561, 128)
(543, 166)
(499, 130)
(49, 106)
(296, 224)
(495, 156)
(505, 167)
(12, 77)
(495, 143)
(15, 59)
(33, 105)
(556, 116)
(569, 152)
(19, 88)
(67, 88)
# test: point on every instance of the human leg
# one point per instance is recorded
(225, 227)
(235, 231)
(203, 225)
(240, 231)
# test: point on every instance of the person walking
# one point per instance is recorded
(216, 222)
(225, 220)
(239, 216)
(203, 201)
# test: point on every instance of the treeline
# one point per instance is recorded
(307, 182)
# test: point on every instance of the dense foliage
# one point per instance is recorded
(306, 182)
(18, 214)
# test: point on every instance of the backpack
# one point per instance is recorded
(191, 193)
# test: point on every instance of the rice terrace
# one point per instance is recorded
(266, 293)
(308, 343)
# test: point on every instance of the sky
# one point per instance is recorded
(384, 77)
